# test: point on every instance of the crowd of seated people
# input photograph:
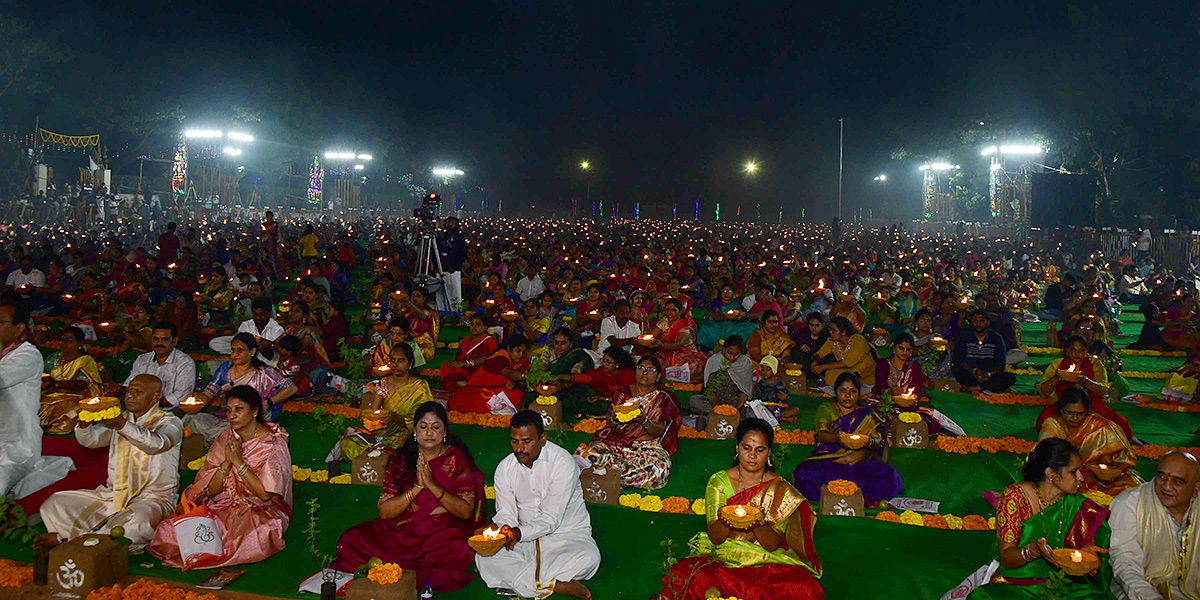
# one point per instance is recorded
(607, 328)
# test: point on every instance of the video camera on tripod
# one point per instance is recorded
(427, 213)
(429, 261)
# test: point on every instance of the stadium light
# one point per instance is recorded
(241, 137)
(881, 177)
(447, 172)
(202, 133)
(364, 157)
(358, 167)
(938, 166)
(233, 151)
(751, 167)
(1013, 149)
(341, 155)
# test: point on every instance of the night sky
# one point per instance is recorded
(666, 99)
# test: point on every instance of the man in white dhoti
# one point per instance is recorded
(1155, 546)
(539, 507)
(143, 471)
(22, 468)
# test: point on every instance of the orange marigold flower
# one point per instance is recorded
(937, 521)
(975, 523)
(13, 574)
(842, 487)
(888, 516)
(676, 504)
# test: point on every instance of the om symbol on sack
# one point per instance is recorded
(70, 576)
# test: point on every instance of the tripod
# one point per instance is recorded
(428, 258)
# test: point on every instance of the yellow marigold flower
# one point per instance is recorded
(195, 465)
(910, 417)
(546, 400)
(300, 473)
(650, 504)
(489, 491)
(626, 417)
(991, 522)
(342, 479)
(630, 500)
(909, 517)
(698, 506)
(318, 476)
(954, 522)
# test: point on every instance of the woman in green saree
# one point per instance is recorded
(771, 558)
(1035, 516)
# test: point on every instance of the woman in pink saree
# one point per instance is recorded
(432, 501)
(246, 482)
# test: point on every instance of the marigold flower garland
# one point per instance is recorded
(937, 521)
(144, 589)
(14, 575)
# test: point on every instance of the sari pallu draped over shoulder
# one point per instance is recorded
(739, 566)
(1072, 522)
(424, 538)
(251, 528)
(1099, 441)
(660, 408)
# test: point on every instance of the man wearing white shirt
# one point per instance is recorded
(175, 370)
(531, 285)
(260, 325)
(1154, 526)
(22, 468)
(618, 328)
(540, 509)
(27, 275)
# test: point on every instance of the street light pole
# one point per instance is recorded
(841, 138)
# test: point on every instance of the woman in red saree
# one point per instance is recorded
(130, 293)
(472, 351)
(774, 557)
(432, 501)
(675, 341)
(640, 448)
(615, 372)
(502, 374)
(246, 482)
(1092, 377)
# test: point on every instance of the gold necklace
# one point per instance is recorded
(741, 488)
(1042, 506)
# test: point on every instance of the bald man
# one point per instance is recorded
(143, 471)
(1155, 545)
